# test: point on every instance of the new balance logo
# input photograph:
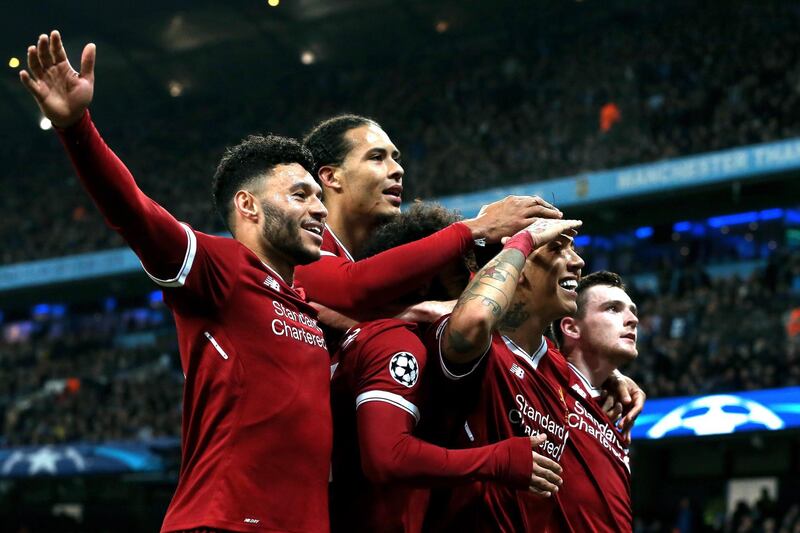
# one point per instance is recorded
(272, 283)
(251, 520)
(518, 371)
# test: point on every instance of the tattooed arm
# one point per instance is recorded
(490, 293)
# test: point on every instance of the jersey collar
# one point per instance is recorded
(534, 359)
(593, 391)
(342, 246)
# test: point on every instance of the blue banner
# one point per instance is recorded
(719, 414)
(63, 460)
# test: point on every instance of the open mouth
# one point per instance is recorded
(568, 284)
(394, 194)
(314, 228)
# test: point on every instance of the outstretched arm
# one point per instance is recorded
(390, 453)
(64, 95)
(365, 285)
(488, 296)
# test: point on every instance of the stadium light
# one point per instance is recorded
(307, 57)
(13, 62)
(273, 3)
(175, 88)
(582, 240)
(644, 232)
(684, 225)
(45, 123)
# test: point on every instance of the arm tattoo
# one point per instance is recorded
(458, 343)
(494, 285)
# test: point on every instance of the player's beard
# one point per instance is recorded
(283, 234)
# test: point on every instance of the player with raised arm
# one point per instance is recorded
(359, 169)
(500, 377)
(256, 428)
(381, 471)
(596, 340)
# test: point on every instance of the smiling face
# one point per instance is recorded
(372, 178)
(607, 323)
(552, 273)
(293, 215)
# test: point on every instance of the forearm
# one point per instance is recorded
(481, 306)
(156, 237)
(353, 287)
(389, 453)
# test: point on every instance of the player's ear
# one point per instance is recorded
(570, 328)
(330, 177)
(246, 205)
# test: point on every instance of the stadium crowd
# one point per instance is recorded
(122, 366)
(474, 122)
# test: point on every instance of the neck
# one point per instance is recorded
(352, 229)
(592, 365)
(271, 257)
(524, 329)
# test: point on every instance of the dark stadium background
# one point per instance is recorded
(477, 95)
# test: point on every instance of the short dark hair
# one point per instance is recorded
(327, 142)
(601, 277)
(252, 158)
(417, 222)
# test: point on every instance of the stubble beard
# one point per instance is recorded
(283, 234)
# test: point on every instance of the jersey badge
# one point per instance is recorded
(404, 369)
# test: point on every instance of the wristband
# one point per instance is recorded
(522, 241)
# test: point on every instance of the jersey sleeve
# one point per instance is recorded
(352, 287)
(469, 372)
(389, 367)
(168, 250)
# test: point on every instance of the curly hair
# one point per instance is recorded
(419, 221)
(601, 277)
(244, 164)
(327, 142)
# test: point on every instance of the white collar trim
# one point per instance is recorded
(342, 246)
(532, 360)
(593, 391)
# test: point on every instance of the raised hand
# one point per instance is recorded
(546, 475)
(544, 230)
(62, 93)
(508, 216)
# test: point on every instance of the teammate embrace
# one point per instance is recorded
(489, 422)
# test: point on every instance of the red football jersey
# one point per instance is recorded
(506, 393)
(256, 429)
(353, 287)
(380, 361)
(596, 493)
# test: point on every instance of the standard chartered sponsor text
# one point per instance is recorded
(533, 422)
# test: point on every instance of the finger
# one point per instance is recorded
(57, 47)
(537, 440)
(624, 393)
(539, 201)
(539, 211)
(34, 65)
(626, 437)
(31, 84)
(504, 240)
(617, 412)
(544, 462)
(43, 49)
(542, 493)
(543, 484)
(547, 475)
(608, 405)
(88, 58)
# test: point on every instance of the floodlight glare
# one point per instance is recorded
(13, 62)
(45, 123)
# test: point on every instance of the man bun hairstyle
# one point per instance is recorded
(601, 277)
(327, 142)
(243, 165)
